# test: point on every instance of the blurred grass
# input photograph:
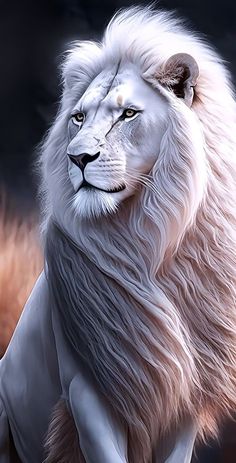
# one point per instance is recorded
(21, 262)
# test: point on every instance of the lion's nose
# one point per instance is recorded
(81, 160)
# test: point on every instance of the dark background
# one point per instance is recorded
(33, 36)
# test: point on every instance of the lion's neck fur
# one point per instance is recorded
(117, 318)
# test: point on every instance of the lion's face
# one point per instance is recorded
(115, 132)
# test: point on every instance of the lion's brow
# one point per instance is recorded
(106, 85)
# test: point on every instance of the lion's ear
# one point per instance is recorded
(180, 74)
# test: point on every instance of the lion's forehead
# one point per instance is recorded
(100, 85)
(112, 87)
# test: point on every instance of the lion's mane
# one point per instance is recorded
(147, 295)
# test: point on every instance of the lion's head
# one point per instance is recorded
(123, 105)
(115, 133)
(139, 172)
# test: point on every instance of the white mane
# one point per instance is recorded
(164, 266)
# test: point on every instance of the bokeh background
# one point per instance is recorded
(33, 36)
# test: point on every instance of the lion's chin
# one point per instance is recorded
(92, 203)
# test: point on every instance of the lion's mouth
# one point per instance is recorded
(89, 186)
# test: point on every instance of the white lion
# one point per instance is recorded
(134, 327)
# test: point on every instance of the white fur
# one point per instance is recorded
(168, 252)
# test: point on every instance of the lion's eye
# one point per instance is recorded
(78, 118)
(128, 113)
